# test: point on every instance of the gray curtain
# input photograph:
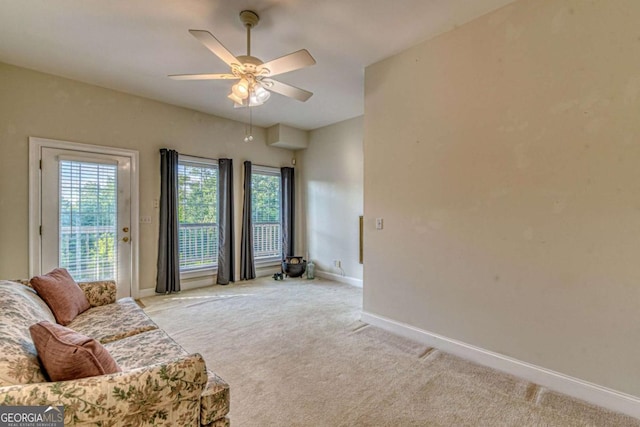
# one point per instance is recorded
(247, 266)
(168, 275)
(226, 264)
(287, 188)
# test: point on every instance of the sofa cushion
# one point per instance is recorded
(20, 307)
(101, 292)
(62, 294)
(156, 346)
(112, 322)
(98, 292)
(68, 355)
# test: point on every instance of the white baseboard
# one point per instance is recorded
(184, 286)
(261, 271)
(338, 278)
(580, 389)
(144, 293)
(210, 280)
(267, 270)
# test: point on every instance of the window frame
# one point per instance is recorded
(270, 171)
(205, 162)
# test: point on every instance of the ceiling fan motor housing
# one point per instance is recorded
(249, 18)
(249, 63)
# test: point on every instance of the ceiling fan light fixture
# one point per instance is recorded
(238, 102)
(241, 89)
(259, 94)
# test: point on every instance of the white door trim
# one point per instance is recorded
(35, 220)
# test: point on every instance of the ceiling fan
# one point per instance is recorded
(255, 77)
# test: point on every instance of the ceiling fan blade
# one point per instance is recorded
(212, 43)
(287, 90)
(290, 62)
(203, 76)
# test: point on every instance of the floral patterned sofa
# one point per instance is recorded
(160, 383)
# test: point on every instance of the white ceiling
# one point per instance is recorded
(132, 45)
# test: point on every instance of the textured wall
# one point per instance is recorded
(331, 193)
(36, 104)
(504, 158)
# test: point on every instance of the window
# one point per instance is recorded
(197, 213)
(265, 213)
(88, 219)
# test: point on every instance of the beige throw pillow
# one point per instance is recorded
(62, 294)
(67, 355)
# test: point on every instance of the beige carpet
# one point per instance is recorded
(295, 354)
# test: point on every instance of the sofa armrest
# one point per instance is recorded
(167, 393)
(99, 293)
(215, 400)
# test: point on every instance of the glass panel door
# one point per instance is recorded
(85, 216)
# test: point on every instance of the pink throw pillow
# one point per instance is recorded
(67, 355)
(62, 294)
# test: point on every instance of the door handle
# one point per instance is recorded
(125, 229)
(125, 239)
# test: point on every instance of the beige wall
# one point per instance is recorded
(36, 104)
(331, 197)
(504, 157)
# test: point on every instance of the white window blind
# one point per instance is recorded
(197, 213)
(88, 220)
(265, 213)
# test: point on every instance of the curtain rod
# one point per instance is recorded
(188, 155)
(196, 157)
(209, 158)
(266, 166)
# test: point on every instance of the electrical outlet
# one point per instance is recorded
(145, 220)
(337, 263)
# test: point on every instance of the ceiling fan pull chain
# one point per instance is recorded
(248, 136)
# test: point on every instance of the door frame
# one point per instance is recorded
(35, 194)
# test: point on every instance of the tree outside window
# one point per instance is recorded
(197, 214)
(265, 213)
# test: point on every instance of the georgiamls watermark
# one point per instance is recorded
(31, 416)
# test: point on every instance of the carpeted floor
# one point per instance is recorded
(295, 354)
